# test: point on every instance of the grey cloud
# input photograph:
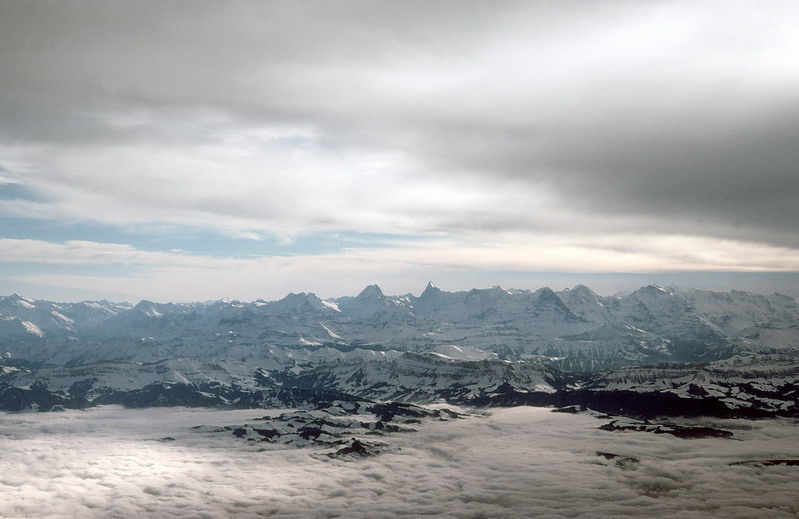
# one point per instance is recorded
(696, 174)
(694, 132)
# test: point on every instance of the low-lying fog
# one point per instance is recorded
(521, 462)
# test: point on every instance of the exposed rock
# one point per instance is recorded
(680, 431)
(623, 462)
(335, 424)
(358, 449)
(767, 463)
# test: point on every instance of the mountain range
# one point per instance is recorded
(735, 350)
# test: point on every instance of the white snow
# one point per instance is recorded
(331, 305)
(331, 333)
(32, 328)
(62, 317)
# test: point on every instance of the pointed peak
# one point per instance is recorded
(371, 291)
(18, 297)
(18, 300)
(148, 308)
(430, 290)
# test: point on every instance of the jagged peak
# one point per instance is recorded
(371, 291)
(16, 298)
(297, 302)
(300, 296)
(494, 289)
(148, 308)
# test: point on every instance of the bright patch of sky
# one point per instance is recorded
(198, 241)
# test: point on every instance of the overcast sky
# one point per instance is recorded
(199, 150)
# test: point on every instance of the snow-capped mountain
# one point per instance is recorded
(573, 330)
(45, 319)
(727, 351)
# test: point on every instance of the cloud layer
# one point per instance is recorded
(627, 124)
(519, 462)
(456, 264)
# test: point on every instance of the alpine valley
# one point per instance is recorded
(653, 352)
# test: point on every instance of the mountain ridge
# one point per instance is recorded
(653, 350)
(574, 329)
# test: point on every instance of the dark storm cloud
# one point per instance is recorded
(670, 117)
(700, 173)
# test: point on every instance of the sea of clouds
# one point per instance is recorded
(113, 462)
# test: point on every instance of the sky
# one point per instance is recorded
(520, 462)
(186, 151)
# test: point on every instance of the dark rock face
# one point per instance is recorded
(625, 403)
(215, 395)
(341, 424)
(357, 449)
(627, 424)
(37, 397)
(622, 462)
(767, 463)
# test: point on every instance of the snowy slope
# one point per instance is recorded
(769, 382)
(48, 319)
(572, 330)
(426, 378)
